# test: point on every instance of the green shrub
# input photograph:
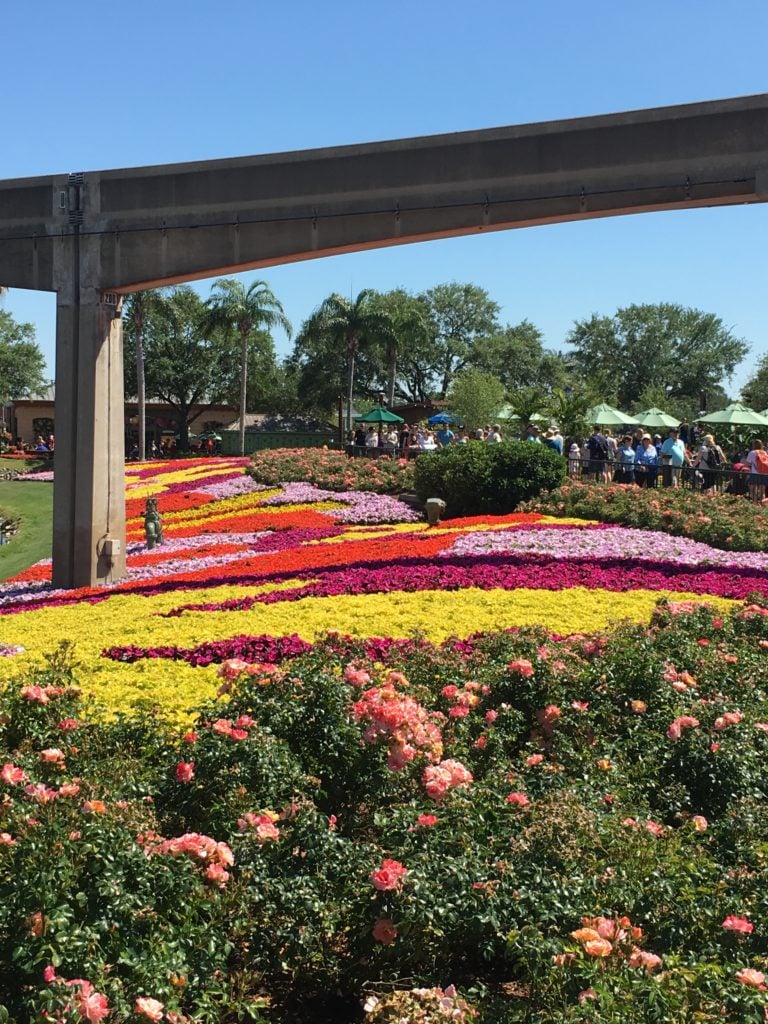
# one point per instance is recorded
(478, 478)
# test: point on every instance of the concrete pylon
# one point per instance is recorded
(89, 482)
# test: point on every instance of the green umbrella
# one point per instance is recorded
(604, 415)
(506, 412)
(656, 418)
(379, 415)
(738, 415)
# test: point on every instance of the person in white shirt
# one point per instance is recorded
(371, 438)
(495, 435)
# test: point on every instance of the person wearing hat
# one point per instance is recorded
(532, 433)
(672, 458)
(574, 461)
(550, 442)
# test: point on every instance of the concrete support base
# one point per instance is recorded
(89, 479)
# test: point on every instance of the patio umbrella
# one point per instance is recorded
(604, 415)
(379, 415)
(210, 435)
(506, 412)
(443, 417)
(737, 415)
(656, 418)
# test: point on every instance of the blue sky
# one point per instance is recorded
(97, 86)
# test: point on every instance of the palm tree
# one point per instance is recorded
(245, 311)
(352, 322)
(139, 308)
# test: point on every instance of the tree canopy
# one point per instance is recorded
(685, 351)
(187, 362)
(22, 364)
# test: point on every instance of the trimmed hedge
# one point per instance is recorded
(487, 478)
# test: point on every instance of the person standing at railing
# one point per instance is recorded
(672, 458)
(646, 463)
(710, 460)
(625, 461)
(757, 460)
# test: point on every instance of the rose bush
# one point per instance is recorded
(542, 838)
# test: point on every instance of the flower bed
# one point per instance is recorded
(520, 826)
(332, 470)
(726, 520)
(509, 768)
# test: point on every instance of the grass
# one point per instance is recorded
(32, 503)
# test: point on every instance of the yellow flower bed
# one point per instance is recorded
(132, 619)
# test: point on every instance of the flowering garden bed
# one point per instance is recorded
(313, 760)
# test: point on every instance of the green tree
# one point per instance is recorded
(139, 306)
(460, 315)
(755, 391)
(346, 325)
(475, 396)
(244, 312)
(188, 362)
(410, 333)
(513, 354)
(22, 364)
(684, 350)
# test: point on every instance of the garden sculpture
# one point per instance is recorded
(153, 524)
(434, 508)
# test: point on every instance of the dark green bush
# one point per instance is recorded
(488, 478)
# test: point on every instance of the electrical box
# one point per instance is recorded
(111, 547)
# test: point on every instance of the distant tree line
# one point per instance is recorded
(447, 343)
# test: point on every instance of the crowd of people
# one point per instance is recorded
(646, 460)
(410, 440)
(687, 455)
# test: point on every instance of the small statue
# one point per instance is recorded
(153, 524)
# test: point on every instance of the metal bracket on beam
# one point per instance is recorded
(75, 188)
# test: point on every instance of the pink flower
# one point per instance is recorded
(356, 676)
(6, 839)
(41, 793)
(522, 666)
(92, 1006)
(654, 828)
(427, 820)
(389, 877)
(13, 775)
(152, 1009)
(68, 725)
(185, 771)
(217, 874)
(534, 759)
(647, 961)
(699, 823)
(491, 716)
(579, 705)
(190, 737)
(49, 974)
(69, 789)
(518, 799)
(36, 694)
(738, 924)
(748, 976)
(438, 779)
(548, 716)
(232, 668)
(52, 756)
(384, 931)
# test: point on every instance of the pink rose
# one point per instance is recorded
(738, 924)
(384, 931)
(152, 1009)
(185, 771)
(518, 799)
(389, 877)
(748, 976)
(13, 775)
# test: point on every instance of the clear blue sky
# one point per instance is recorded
(98, 86)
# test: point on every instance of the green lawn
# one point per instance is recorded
(33, 503)
(23, 465)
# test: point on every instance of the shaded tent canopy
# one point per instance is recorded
(380, 415)
(656, 418)
(443, 417)
(604, 415)
(738, 415)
